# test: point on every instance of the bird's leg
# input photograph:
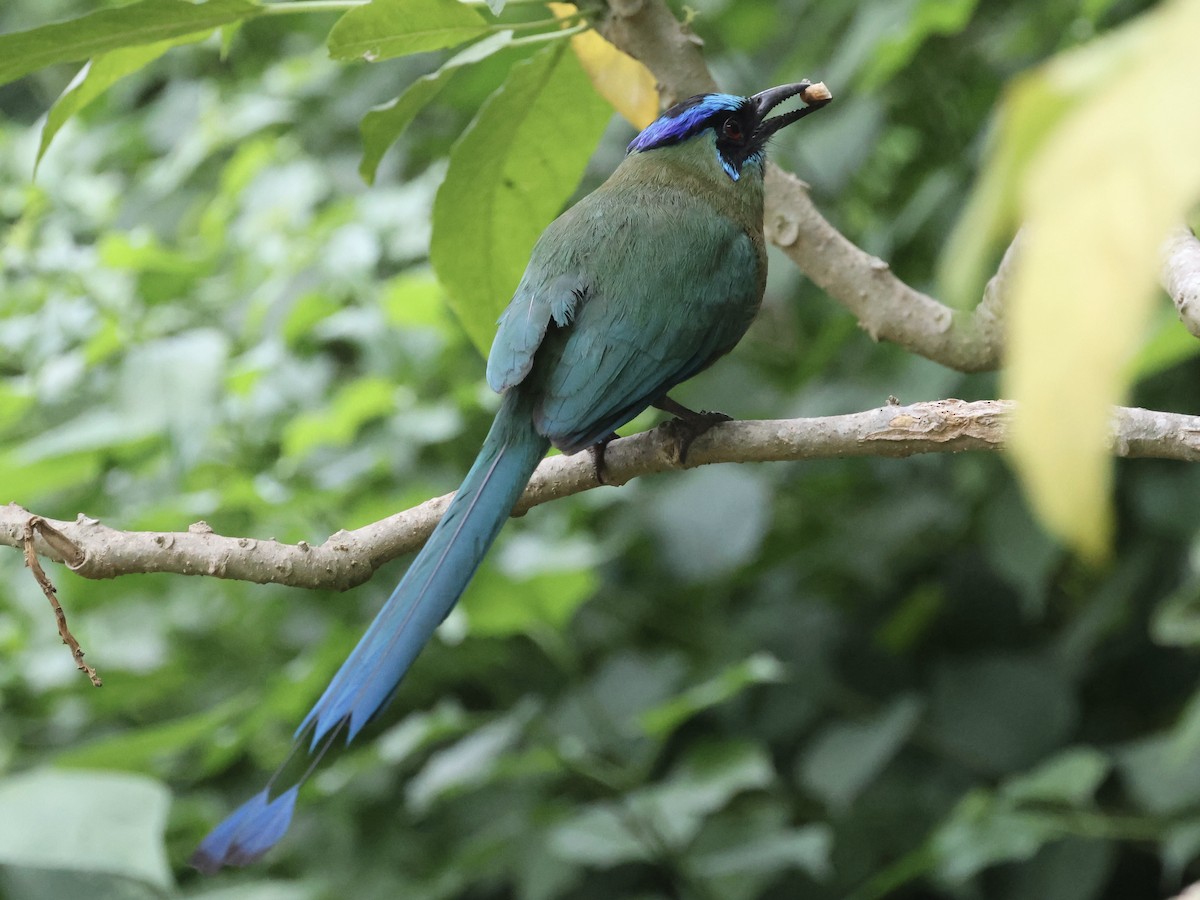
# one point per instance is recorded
(688, 424)
(597, 450)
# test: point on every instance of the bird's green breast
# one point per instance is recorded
(692, 171)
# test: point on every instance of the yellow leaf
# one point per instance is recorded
(1098, 198)
(617, 77)
(1032, 108)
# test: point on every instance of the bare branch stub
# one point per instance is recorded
(1181, 276)
(37, 526)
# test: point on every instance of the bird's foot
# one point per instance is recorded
(597, 450)
(688, 424)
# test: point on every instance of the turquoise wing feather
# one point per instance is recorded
(603, 341)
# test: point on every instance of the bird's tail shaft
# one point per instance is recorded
(437, 577)
(434, 582)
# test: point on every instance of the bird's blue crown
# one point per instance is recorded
(732, 119)
(685, 119)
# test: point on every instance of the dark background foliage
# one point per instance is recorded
(847, 678)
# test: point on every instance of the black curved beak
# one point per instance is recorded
(814, 95)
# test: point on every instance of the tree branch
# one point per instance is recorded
(349, 558)
(1181, 276)
(886, 307)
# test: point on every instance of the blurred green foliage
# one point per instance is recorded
(837, 679)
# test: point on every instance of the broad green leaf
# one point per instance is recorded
(414, 299)
(510, 174)
(983, 830)
(1157, 777)
(1167, 345)
(808, 849)
(419, 730)
(386, 28)
(1033, 107)
(306, 312)
(1075, 868)
(87, 829)
(97, 76)
(382, 125)
(1002, 712)
(620, 79)
(1098, 199)
(847, 756)
(497, 605)
(926, 19)
(1071, 777)
(144, 22)
(14, 404)
(709, 778)
(150, 747)
(728, 511)
(470, 761)
(672, 811)
(267, 890)
(761, 668)
(357, 403)
(33, 479)
(1176, 618)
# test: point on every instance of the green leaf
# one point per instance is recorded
(386, 28)
(498, 605)
(148, 747)
(1070, 869)
(510, 174)
(1070, 777)
(97, 76)
(712, 546)
(84, 834)
(1159, 779)
(356, 404)
(146, 22)
(847, 756)
(672, 812)
(414, 299)
(1002, 712)
(1168, 344)
(806, 848)
(267, 890)
(470, 761)
(383, 124)
(900, 45)
(982, 831)
(761, 668)
(33, 479)
(1176, 618)
(419, 730)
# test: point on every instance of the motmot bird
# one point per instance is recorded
(636, 288)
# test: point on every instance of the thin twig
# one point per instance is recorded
(36, 525)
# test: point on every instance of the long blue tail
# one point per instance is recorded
(426, 594)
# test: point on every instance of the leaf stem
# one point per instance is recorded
(318, 6)
(544, 23)
(548, 35)
(285, 7)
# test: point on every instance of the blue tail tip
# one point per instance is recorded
(247, 834)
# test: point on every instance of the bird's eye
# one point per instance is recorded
(732, 129)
